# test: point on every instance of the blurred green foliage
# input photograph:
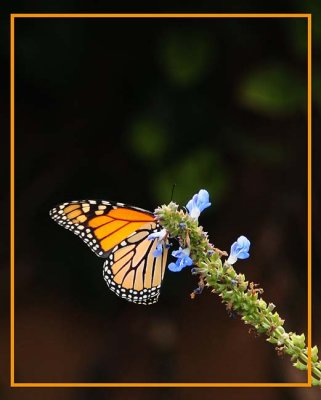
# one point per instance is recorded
(273, 89)
(201, 168)
(186, 56)
(181, 105)
(270, 153)
(148, 138)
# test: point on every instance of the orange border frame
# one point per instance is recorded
(309, 197)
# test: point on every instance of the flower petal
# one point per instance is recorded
(174, 267)
(232, 259)
(203, 199)
(190, 205)
(158, 251)
(244, 242)
(188, 261)
(181, 253)
(183, 259)
(157, 235)
(243, 255)
(239, 250)
(198, 203)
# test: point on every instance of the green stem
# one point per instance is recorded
(239, 296)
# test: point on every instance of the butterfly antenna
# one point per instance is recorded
(173, 188)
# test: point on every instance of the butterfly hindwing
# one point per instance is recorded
(131, 270)
(99, 223)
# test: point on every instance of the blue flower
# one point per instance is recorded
(239, 249)
(160, 236)
(158, 251)
(183, 260)
(199, 202)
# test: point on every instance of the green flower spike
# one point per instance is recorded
(239, 296)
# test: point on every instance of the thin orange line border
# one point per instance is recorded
(309, 198)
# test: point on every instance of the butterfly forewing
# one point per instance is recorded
(100, 224)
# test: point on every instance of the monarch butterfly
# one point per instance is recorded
(119, 234)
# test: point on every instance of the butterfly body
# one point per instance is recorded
(119, 234)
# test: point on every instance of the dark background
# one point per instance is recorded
(121, 109)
